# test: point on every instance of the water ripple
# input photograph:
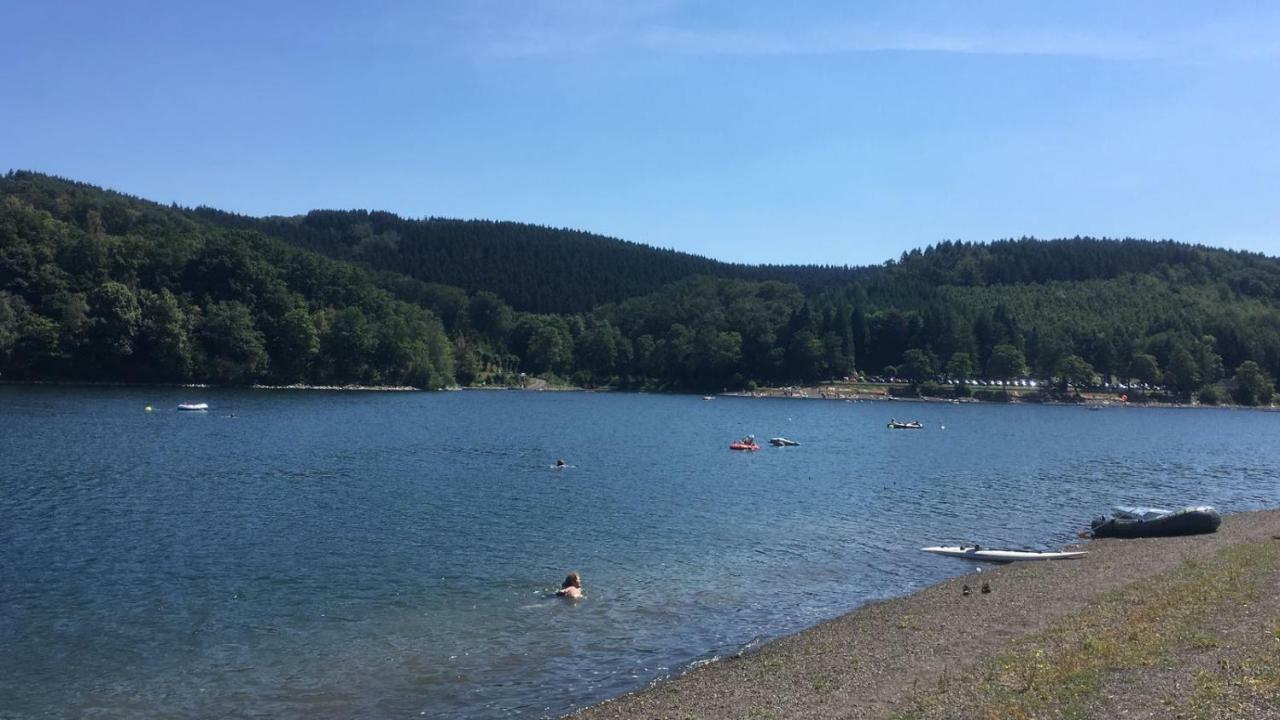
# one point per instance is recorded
(345, 554)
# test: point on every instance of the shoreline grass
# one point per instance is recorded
(1151, 624)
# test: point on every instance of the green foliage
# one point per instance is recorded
(1006, 362)
(1075, 370)
(1253, 386)
(164, 336)
(114, 318)
(533, 268)
(292, 342)
(99, 286)
(28, 340)
(1144, 368)
(1209, 395)
(960, 366)
(708, 333)
(917, 365)
(1183, 375)
(466, 362)
(232, 348)
(543, 342)
(489, 316)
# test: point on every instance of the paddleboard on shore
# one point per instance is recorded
(974, 553)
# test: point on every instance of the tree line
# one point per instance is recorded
(95, 285)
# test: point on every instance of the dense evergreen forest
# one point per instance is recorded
(96, 285)
(533, 268)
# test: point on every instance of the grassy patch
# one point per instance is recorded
(1058, 673)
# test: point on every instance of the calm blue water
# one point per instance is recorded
(336, 555)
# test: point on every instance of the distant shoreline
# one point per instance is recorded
(862, 394)
(539, 385)
(206, 386)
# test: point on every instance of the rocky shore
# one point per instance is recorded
(880, 392)
(1150, 628)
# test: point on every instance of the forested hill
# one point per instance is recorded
(534, 268)
(96, 285)
(1031, 261)
(547, 270)
(917, 276)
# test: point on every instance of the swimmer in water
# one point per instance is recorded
(561, 464)
(571, 588)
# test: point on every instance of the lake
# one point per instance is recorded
(345, 554)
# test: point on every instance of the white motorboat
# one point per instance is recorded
(193, 407)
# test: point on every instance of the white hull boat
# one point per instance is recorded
(193, 407)
(1003, 556)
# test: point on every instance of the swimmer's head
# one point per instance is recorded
(573, 579)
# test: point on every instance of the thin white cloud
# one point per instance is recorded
(555, 27)
(855, 39)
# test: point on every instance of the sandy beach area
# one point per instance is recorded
(1185, 627)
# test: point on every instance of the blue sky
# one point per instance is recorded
(825, 132)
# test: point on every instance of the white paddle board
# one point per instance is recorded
(971, 553)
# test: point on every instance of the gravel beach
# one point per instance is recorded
(944, 653)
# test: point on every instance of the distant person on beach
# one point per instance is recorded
(571, 588)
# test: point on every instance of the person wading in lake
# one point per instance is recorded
(571, 588)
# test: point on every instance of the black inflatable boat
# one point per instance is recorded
(1129, 522)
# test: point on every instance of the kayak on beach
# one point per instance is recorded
(976, 552)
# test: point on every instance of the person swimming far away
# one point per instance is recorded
(561, 464)
(571, 588)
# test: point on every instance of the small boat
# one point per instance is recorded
(1135, 522)
(746, 443)
(708, 397)
(976, 552)
(913, 425)
(193, 407)
(782, 442)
